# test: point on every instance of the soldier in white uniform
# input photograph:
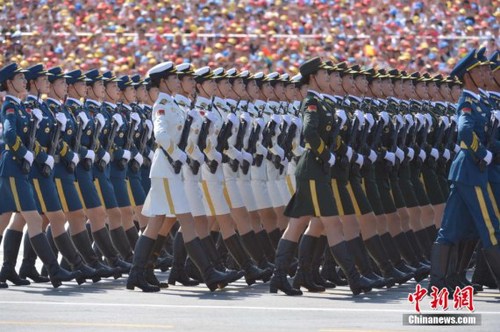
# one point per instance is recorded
(216, 197)
(167, 195)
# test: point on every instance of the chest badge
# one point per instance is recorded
(47, 130)
(25, 130)
(69, 131)
(121, 135)
(328, 127)
(89, 132)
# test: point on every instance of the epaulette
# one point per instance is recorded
(163, 102)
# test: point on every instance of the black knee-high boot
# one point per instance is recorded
(492, 256)
(83, 243)
(357, 283)
(329, 269)
(216, 260)
(11, 245)
(102, 239)
(178, 273)
(28, 269)
(465, 252)
(317, 259)
(56, 274)
(150, 266)
(482, 274)
(441, 256)
(275, 236)
(266, 245)
(406, 251)
(132, 236)
(68, 250)
(136, 277)
(50, 238)
(377, 252)
(252, 246)
(304, 277)
(121, 243)
(419, 246)
(252, 272)
(2, 283)
(284, 255)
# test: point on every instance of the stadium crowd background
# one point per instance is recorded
(131, 36)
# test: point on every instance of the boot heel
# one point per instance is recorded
(55, 283)
(81, 280)
(250, 282)
(273, 289)
(130, 286)
(96, 279)
(212, 287)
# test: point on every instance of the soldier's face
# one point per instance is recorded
(377, 87)
(129, 94)
(487, 76)
(388, 87)
(408, 88)
(99, 90)
(456, 91)
(398, 88)
(253, 89)
(173, 83)
(291, 92)
(152, 94)
(224, 87)
(433, 90)
(113, 91)
(303, 91)
(81, 88)
(239, 88)
(361, 83)
(323, 79)
(43, 84)
(348, 83)
(188, 84)
(279, 90)
(421, 90)
(141, 93)
(267, 90)
(60, 87)
(210, 87)
(496, 76)
(335, 80)
(18, 84)
(445, 91)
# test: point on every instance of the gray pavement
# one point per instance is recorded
(108, 306)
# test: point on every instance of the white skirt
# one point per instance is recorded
(166, 197)
(261, 194)
(246, 191)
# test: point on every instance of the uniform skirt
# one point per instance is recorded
(166, 197)
(17, 195)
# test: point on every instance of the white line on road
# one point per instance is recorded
(232, 307)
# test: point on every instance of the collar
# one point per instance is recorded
(494, 93)
(330, 97)
(31, 97)
(472, 94)
(17, 100)
(202, 102)
(95, 102)
(231, 102)
(484, 92)
(317, 94)
(182, 100)
(260, 104)
(55, 101)
(127, 106)
(76, 101)
(110, 104)
(356, 98)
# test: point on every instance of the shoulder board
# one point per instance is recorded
(163, 102)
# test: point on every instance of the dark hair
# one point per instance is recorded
(3, 87)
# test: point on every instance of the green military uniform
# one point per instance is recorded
(314, 196)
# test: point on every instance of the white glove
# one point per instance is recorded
(453, 118)
(246, 117)
(428, 118)
(211, 116)
(138, 157)
(29, 157)
(179, 155)
(446, 154)
(456, 148)
(198, 156)
(372, 156)
(75, 159)
(385, 117)
(106, 158)
(37, 113)
(278, 151)
(370, 119)
(331, 161)
(149, 124)
(260, 122)
(217, 156)
(411, 154)
(50, 162)
(260, 149)
(151, 154)
(391, 157)
(61, 118)
(233, 153)
(435, 153)
(445, 121)
(284, 163)
(349, 153)
(488, 157)
(496, 115)
(360, 116)
(119, 120)
(134, 116)
(409, 119)
(276, 118)
(90, 155)
(342, 116)
(247, 156)
(231, 117)
(422, 155)
(400, 120)
(126, 155)
(400, 154)
(360, 160)
(192, 113)
(420, 119)
(84, 119)
(100, 118)
(287, 118)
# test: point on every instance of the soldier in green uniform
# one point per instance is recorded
(314, 196)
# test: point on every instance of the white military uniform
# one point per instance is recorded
(167, 195)
(192, 181)
(215, 197)
(297, 149)
(259, 173)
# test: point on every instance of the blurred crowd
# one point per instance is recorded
(131, 36)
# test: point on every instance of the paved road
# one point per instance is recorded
(108, 306)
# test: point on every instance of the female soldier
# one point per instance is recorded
(16, 163)
(314, 196)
